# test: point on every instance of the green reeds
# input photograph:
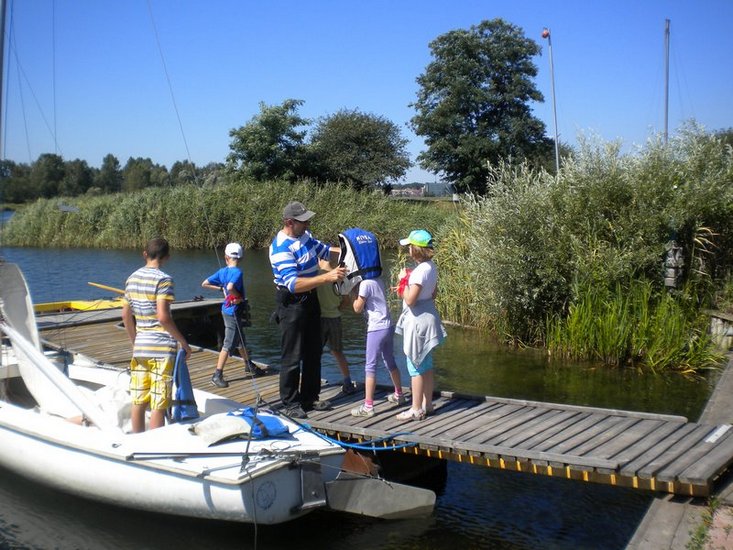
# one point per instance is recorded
(632, 326)
(203, 217)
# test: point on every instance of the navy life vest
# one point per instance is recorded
(360, 256)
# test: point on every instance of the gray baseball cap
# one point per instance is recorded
(296, 211)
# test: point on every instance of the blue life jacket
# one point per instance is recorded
(360, 256)
(262, 425)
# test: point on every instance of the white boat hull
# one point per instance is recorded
(96, 467)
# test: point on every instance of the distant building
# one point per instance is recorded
(413, 190)
(433, 189)
(437, 189)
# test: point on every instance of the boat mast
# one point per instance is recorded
(666, 81)
(2, 76)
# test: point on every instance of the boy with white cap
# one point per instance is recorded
(230, 280)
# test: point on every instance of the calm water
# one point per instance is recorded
(478, 508)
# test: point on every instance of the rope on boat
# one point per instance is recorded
(371, 444)
(368, 445)
(262, 453)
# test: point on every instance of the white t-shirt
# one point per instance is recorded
(376, 310)
(425, 275)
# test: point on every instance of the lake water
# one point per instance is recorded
(477, 508)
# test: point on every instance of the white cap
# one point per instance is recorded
(233, 250)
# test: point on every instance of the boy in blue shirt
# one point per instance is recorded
(230, 280)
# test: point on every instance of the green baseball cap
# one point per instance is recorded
(418, 237)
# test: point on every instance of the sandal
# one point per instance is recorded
(411, 414)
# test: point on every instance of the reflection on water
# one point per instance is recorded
(471, 365)
(480, 508)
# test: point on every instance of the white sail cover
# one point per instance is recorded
(53, 391)
(17, 308)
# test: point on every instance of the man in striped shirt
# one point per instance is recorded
(146, 315)
(294, 255)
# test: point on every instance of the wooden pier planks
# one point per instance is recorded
(635, 449)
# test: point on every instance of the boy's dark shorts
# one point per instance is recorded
(331, 333)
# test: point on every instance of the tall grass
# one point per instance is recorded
(204, 217)
(633, 325)
(520, 255)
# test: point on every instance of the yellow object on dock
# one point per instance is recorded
(78, 305)
(83, 305)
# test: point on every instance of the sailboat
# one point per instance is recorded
(67, 430)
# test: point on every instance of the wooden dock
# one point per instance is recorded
(632, 449)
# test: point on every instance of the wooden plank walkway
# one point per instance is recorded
(632, 449)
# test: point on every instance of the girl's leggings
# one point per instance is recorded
(379, 345)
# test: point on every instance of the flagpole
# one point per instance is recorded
(546, 34)
(666, 81)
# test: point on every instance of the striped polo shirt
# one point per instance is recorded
(142, 290)
(293, 257)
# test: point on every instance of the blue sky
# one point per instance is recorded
(101, 59)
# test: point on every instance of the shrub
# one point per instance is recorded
(522, 254)
(633, 325)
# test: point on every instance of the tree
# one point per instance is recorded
(137, 174)
(46, 174)
(473, 103)
(270, 146)
(360, 149)
(16, 187)
(183, 172)
(212, 173)
(109, 177)
(78, 178)
(159, 176)
(725, 135)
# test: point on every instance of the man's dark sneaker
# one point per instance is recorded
(217, 379)
(348, 388)
(294, 411)
(317, 406)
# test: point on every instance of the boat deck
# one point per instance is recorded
(632, 449)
